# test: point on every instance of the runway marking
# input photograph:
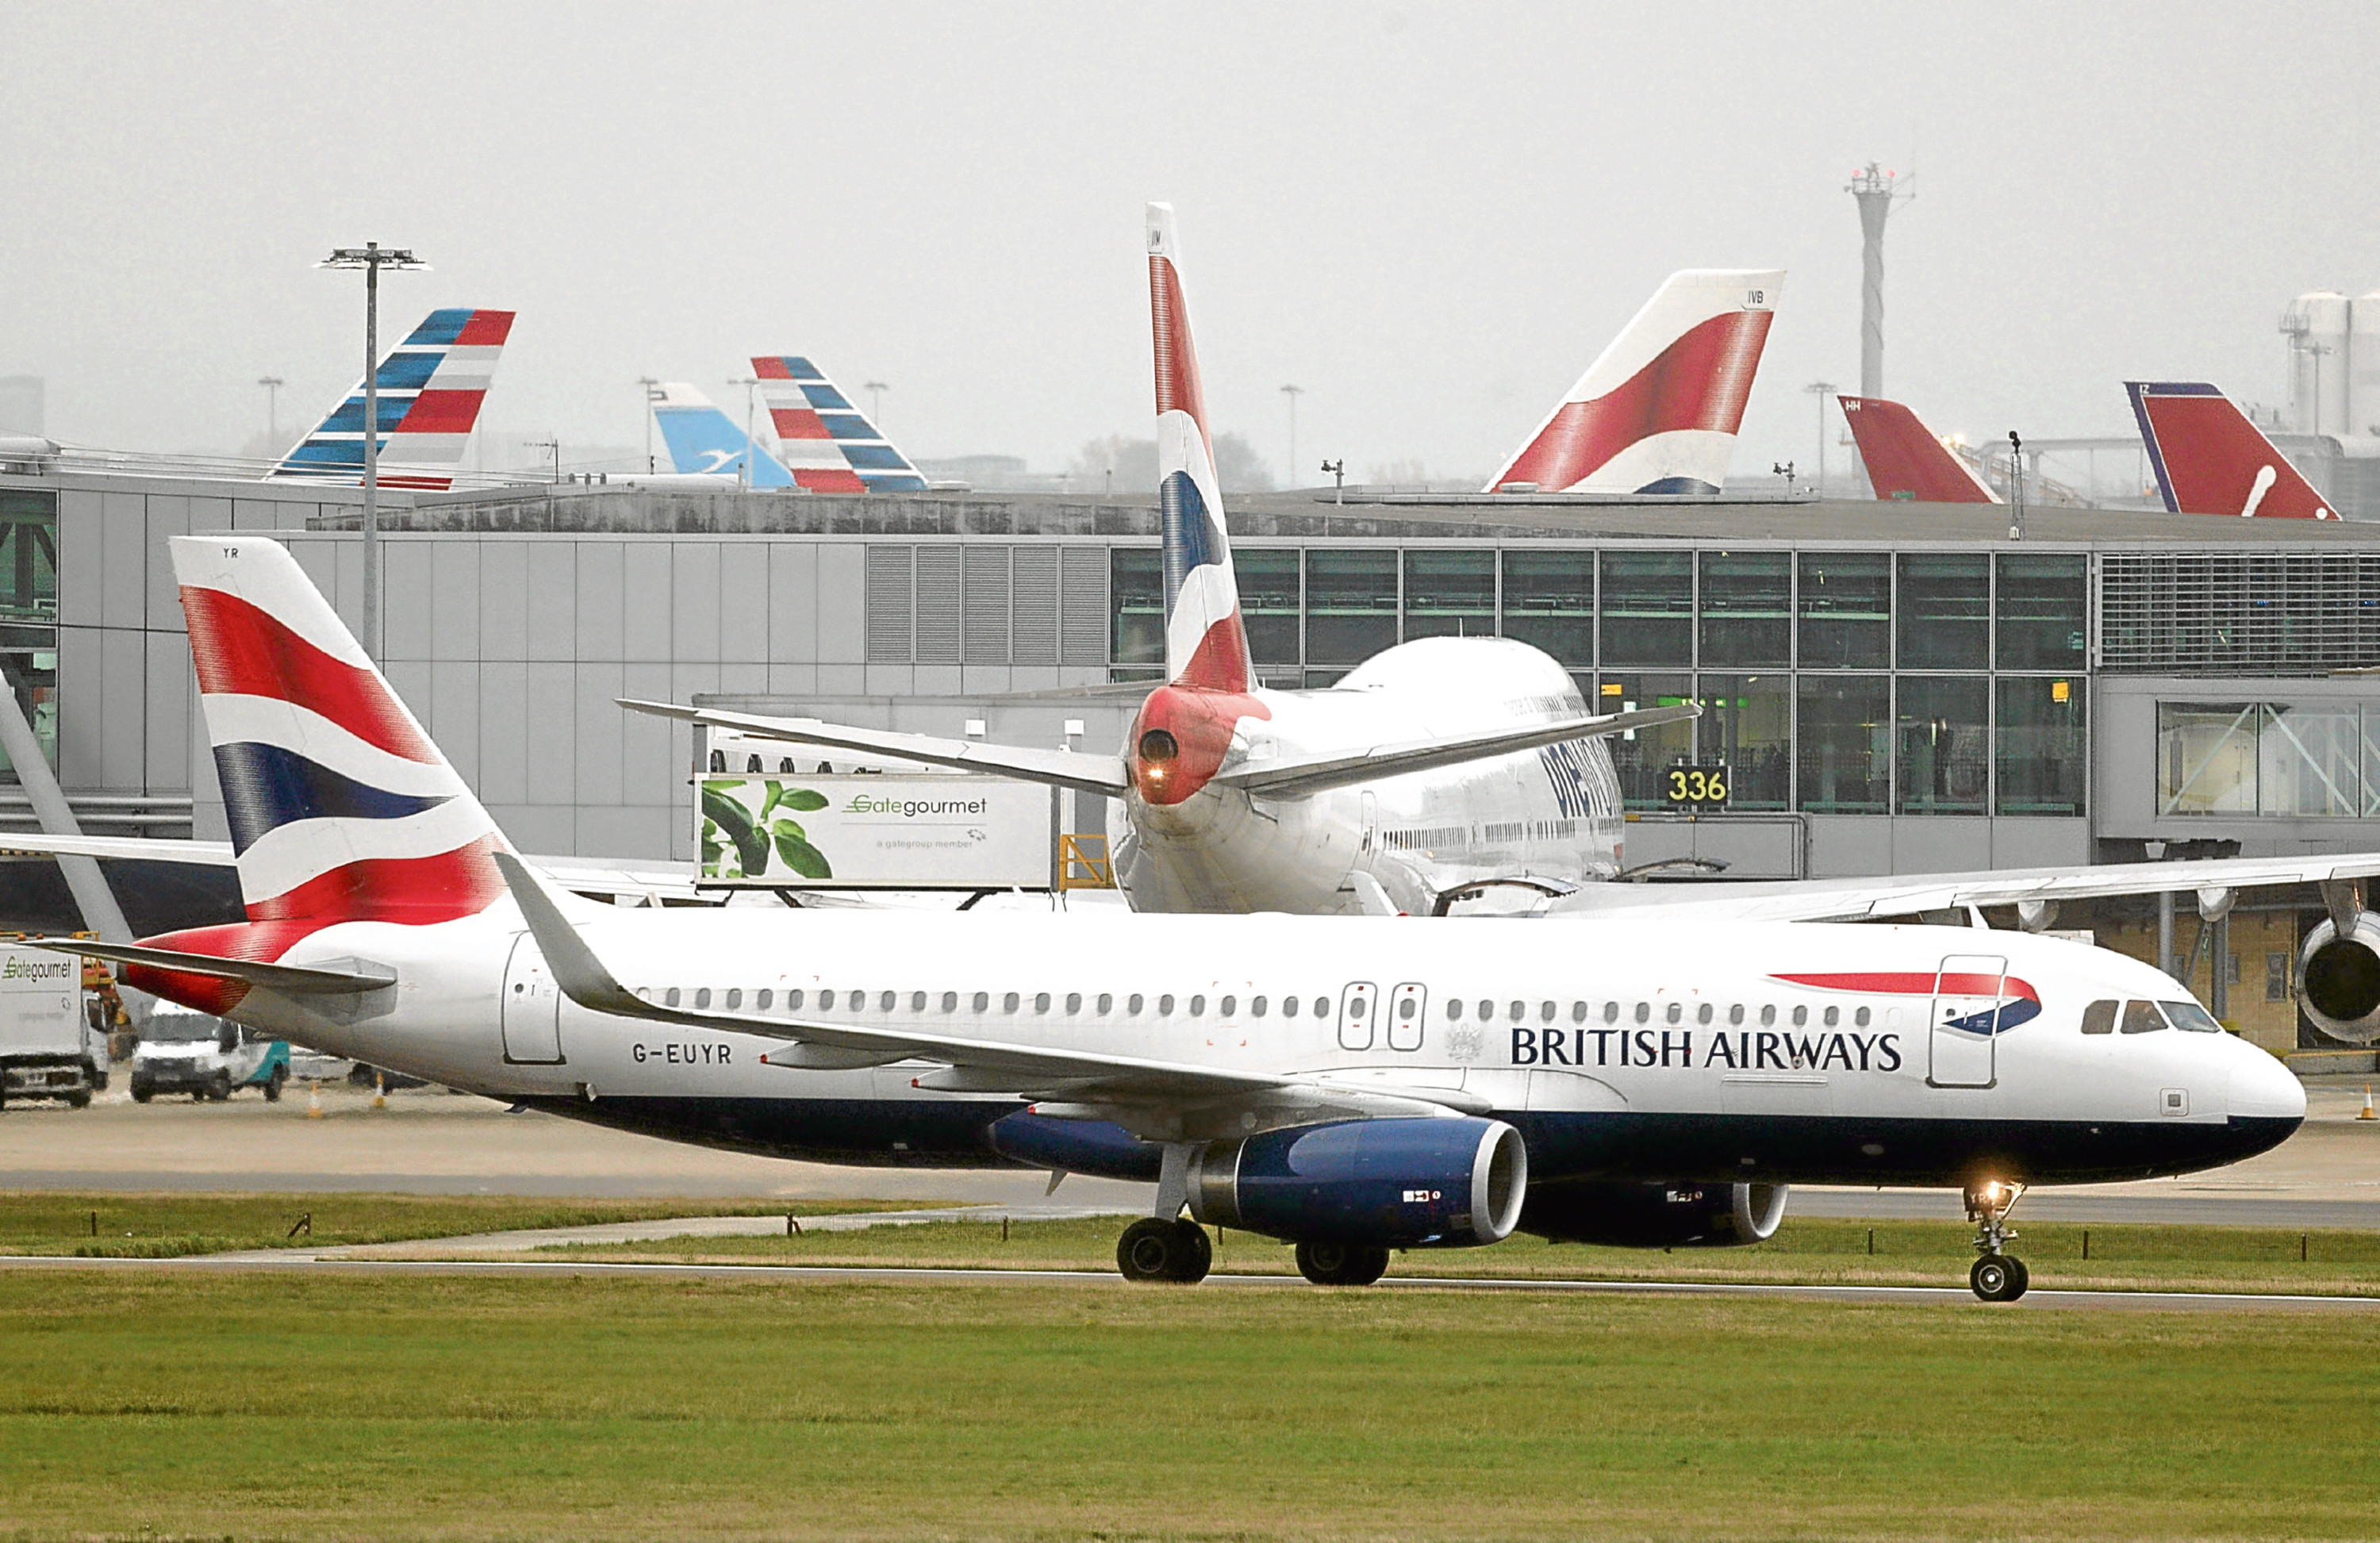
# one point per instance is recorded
(2045, 1298)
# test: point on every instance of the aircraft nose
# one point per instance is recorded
(2262, 1088)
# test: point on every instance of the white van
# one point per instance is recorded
(185, 1051)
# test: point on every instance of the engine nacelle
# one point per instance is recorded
(2339, 980)
(1656, 1215)
(1383, 1183)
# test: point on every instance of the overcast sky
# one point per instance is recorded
(1430, 218)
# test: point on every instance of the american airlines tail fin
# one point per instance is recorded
(341, 808)
(826, 442)
(430, 388)
(705, 442)
(1205, 646)
(1905, 461)
(2211, 460)
(1658, 410)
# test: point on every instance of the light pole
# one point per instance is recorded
(751, 446)
(372, 257)
(876, 390)
(272, 384)
(1821, 390)
(1293, 392)
(652, 394)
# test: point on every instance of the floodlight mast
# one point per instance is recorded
(372, 257)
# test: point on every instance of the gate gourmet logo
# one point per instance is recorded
(19, 968)
(912, 809)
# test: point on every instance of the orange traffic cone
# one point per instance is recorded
(2368, 1112)
(379, 1093)
(314, 1100)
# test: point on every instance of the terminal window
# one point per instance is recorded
(1846, 607)
(1944, 611)
(1747, 609)
(1648, 608)
(1549, 603)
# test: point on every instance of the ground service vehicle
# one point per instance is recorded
(48, 1048)
(205, 1056)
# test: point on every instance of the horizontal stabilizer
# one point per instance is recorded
(1084, 773)
(297, 981)
(1299, 779)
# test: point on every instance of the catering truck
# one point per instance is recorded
(48, 1047)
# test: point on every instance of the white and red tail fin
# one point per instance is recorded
(341, 808)
(1904, 461)
(828, 445)
(1658, 410)
(432, 386)
(1205, 646)
(2211, 460)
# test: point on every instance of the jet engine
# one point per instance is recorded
(1418, 1183)
(2339, 980)
(1656, 1215)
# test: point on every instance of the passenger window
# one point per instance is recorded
(1801, 1016)
(1487, 1010)
(1453, 1009)
(1228, 1007)
(1578, 1012)
(2141, 1017)
(1611, 1011)
(983, 1001)
(1677, 1012)
(886, 1002)
(1767, 1014)
(1703, 1014)
(2188, 1015)
(1256, 1008)
(735, 998)
(1107, 1002)
(1008, 1003)
(1518, 1011)
(1165, 1005)
(1735, 1013)
(1197, 1006)
(950, 1001)
(1644, 1011)
(761, 1002)
(1041, 1003)
(1406, 1009)
(826, 1001)
(1131, 1004)
(794, 1000)
(702, 997)
(916, 1002)
(2099, 1019)
(669, 998)
(1074, 1003)
(1859, 1019)
(1833, 1017)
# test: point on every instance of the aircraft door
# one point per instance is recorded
(1960, 1044)
(1408, 1011)
(532, 1010)
(1355, 1015)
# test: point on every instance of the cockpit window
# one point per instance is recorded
(2190, 1016)
(2141, 1017)
(2099, 1019)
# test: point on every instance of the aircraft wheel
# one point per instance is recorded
(1340, 1264)
(1155, 1250)
(219, 1088)
(2023, 1279)
(1996, 1278)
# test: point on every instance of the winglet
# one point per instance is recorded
(582, 977)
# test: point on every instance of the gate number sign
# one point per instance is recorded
(1694, 787)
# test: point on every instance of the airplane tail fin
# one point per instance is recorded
(431, 389)
(1904, 461)
(2211, 460)
(341, 808)
(1205, 646)
(828, 445)
(1658, 410)
(703, 441)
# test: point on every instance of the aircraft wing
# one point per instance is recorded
(288, 980)
(1302, 778)
(1865, 899)
(1086, 1077)
(1086, 773)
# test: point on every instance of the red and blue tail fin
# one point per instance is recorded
(1658, 410)
(1904, 461)
(828, 444)
(1205, 644)
(341, 808)
(2211, 460)
(432, 386)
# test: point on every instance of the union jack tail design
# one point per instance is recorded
(1658, 410)
(1904, 461)
(1205, 644)
(341, 808)
(705, 442)
(828, 444)
(2211, 460)
(430, 388)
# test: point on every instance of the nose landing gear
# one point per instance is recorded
(1998, 1275)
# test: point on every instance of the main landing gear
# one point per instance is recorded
(1341, 1264)
(1998, 1275)
(1156, 1249)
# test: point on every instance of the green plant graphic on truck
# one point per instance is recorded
(737, 841)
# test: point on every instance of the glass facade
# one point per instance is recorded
(2240, 759)
(28, 614)
(1916, 683)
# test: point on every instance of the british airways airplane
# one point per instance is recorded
(1350, 1084)
(430, 387)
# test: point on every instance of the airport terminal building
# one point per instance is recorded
(1893, 687)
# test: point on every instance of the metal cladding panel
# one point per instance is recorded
(550, 735)
(985, 619)
(170, 686)
(744, 678)
(793, 603)
(890, 574)
(406, 584)
(504, 601)
(550, 606)
(600, 620)
(504, 734)
(624, 831)
(1034, 606)
(2234, 613)
(599, 731)
(938, 605)
(454, 599)
(257, 514)
(2042, 843)
(409, 678)
(123, 756)
(536, 827)
(693, 601)
(453, 717)
(318, 560)
(744, 603)
(793, 680)
(1083, 604)
(82, 703)
(647, 633)
(80, 566)
(1941, 844)
(169, 514)
(124, 556)
(842, 604)
(653, 761)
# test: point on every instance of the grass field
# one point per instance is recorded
(1813, 1252)
(172, 1225)
(161, 1403)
